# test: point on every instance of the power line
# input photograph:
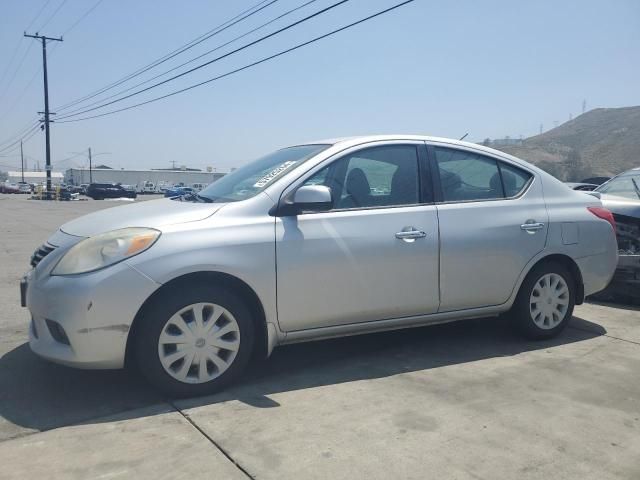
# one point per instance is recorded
(17, 99)
(15, 72)
(24, 139)
(288, 12)
(17, 49)
(20, 132)
(228, 54)
(85, 15)
(258, 62)
(44, 5)
(55, 12)
(220, 28)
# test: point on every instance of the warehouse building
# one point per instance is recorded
(79, 176)
(35, 177)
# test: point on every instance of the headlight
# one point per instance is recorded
(105, 249)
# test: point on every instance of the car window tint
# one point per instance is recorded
(513, 179)
(372, 177)
(467, 176)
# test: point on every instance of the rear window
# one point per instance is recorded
(468, 176)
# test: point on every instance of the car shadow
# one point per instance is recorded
(37, 395)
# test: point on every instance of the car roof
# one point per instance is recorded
(356, 140)
(347, 142)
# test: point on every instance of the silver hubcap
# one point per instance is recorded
(199, 343)
(549, 301)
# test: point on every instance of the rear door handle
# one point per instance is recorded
(532, 227)
(410, 233)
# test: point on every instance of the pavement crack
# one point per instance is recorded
(211, 440)
(605, 335)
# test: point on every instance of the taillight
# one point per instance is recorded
(604, 214)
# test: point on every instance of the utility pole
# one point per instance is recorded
(90, 174)
(46, 105)
(22, 161)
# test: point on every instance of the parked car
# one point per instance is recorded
(163, 187)
(100, 191)
(146, 187)
(585, 187)
(23, 187)
(296, 246)
(75, 188)
(178, 191)
(8, 187)
(596, 180)
(621, 195)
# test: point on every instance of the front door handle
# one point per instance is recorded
(410, 234)
(532, 226)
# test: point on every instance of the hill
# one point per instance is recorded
(603, 141)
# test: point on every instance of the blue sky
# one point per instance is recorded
(490, 68)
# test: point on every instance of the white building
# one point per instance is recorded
(78, 176)
(35, 177)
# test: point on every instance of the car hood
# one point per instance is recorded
(151, 213)
(621, 205)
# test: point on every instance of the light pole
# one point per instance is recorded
(90, 156)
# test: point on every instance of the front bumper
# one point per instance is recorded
(95, 310)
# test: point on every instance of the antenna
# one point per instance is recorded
(464, 136)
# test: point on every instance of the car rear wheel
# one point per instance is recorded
(545, 302)
(194, 341)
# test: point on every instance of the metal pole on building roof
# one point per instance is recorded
(22, 160)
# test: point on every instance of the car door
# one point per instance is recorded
(374, 255)
(493, 221)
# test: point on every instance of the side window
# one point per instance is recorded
(513, 179)
(373, 177)
(467, 176)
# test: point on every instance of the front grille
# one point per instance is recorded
(40, 253)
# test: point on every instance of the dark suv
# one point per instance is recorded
(100, 191)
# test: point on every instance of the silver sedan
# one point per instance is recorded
(318, 240)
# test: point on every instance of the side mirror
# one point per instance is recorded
(316, 198)
(309, 198)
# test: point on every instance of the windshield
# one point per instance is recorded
(625, 185)
(251, 179)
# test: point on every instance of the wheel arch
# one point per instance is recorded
(570, 264)
(261, 348)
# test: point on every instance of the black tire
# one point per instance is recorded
(158, 313)
(521, 310)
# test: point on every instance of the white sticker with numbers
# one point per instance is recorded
(274, 173)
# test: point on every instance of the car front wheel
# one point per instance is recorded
(194, 341)
(545, 301)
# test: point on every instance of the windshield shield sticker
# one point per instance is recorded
(274, 173)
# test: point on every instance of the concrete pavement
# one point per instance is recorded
(464, 401)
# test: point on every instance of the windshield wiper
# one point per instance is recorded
(195, 197)
(635, 185)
